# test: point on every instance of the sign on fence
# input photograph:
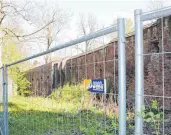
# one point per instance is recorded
(96, 85)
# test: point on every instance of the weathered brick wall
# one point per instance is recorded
(41, 80)
(45, 78)
(157, 66)
(103, 63)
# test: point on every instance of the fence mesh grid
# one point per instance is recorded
(1, 103)
(57, 101)
(157, 98)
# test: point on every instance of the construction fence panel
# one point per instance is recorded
(152, 72)
(1, 103)
(52, 99)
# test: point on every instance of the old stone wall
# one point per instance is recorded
(103, 63)
(41, 80)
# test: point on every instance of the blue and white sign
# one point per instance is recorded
(97, 86)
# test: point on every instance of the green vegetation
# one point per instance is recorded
(69, 110)
(20, 81)
(69, 93)
(72, 110)
(153, 117)
(11, 51)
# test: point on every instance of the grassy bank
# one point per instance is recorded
(66, 113)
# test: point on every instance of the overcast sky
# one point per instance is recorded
(106, 11)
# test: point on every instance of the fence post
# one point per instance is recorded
(139, 72)
(5, 99)
(122, 76)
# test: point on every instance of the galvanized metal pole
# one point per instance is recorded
(122, 76)
(5, 99)
(139, 72)
(166, 11)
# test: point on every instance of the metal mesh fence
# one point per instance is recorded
(55, 100)
(52, 99)
(153, 73)
(1, 103)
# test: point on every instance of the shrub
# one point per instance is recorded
(20, 80)
(69, 93)
(153, 116)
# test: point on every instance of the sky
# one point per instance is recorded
(105, 11)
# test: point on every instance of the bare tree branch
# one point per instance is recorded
(155, 4)
(48, 21)
(26, 35)
(86, 26)
(2, 19)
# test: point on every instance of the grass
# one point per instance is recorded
(66, 113)
(72, 110)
